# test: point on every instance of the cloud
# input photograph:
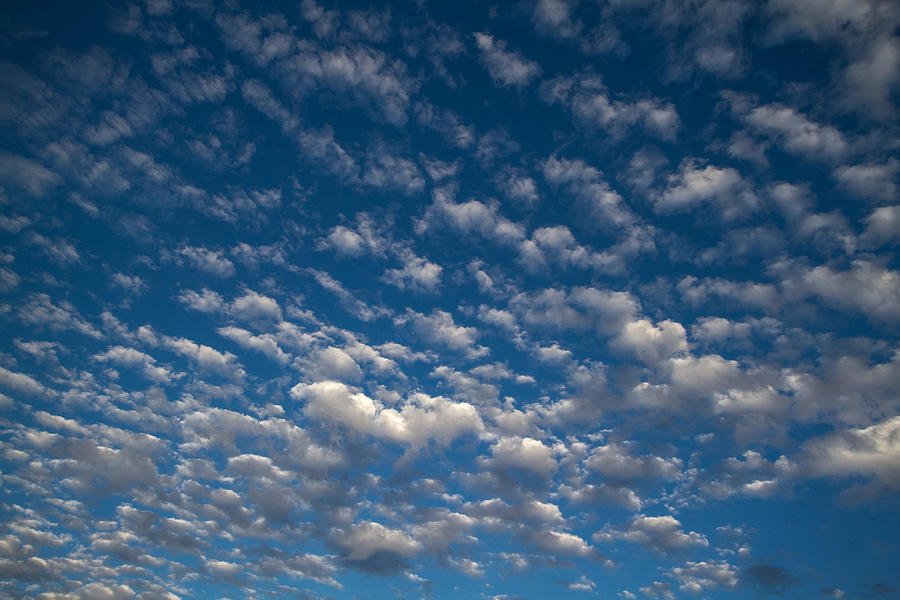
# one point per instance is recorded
(871, 181)
(371, 546)
(440, 329)
(882, 226)
(207, 358)
(523, 453)
(694, 186)
(21, 383)
(602, 204)
(868, 451)
(253, 307)
(589, 101)
(40, 310)
(471, 216)
(661, 534)
(414, 422)
(418, 274)
(865, 287)
(506, 68)
(210, 261)
(265, 343)
(652, 343)
(796, 134)
(27, 174)
(617, 463)
(695, 577)
(205, 301)
(129, 357)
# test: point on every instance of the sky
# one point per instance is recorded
(523, 300)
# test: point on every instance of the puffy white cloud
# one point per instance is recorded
(796, 133)
(418, 273)
(705, 375)
(865, 287)
(415, 422)
(333, 363)
(873, 76)
(261, 97)
(468, 566)
(870, 181)
(387, 172)
(265, 343)
(361, 540)
(253, 307)
(657, 589)
(581, 309)
(695, 577)
(207, 358)
(321, 148)
(882, 226)
(563, 542)
(27, 174)
(507, 68)
(207, 301)
(872, 451)
(523, 453)
(21, 383)
(591, 105)
(471, 216)
(129, 357)
(617, 462)
(440, 329)
(603, 494)
(694, 185)
(40, 310)
(662, 534)
(603, 204)
(652, 343)
(210, 261)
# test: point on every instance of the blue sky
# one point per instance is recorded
(450, 300)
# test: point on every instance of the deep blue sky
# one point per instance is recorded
(450, 300)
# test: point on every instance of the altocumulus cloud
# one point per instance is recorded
(552, 298)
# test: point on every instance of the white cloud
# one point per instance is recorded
(695, 577)
(796, 133)
(617, 462)
(415, 422)
(870, 181)
(363, 539)
(652, 343)
(40, 310)
(265, 343)
(523, 453)
(662, 534)
(207, 358)
(440, 329)
(418, 274)
(21, 383)
(591, 105)
(882, 226)
(130, 357)
(210, 261)
(506, 67)
(693, 186)
(253, 307)
(872, 451)
(470, 216)
(865, 287)
(206, 301)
